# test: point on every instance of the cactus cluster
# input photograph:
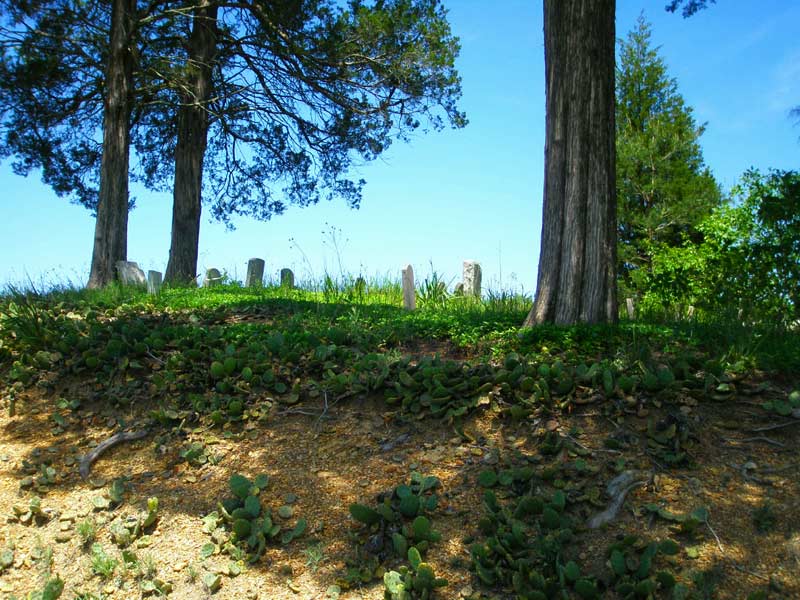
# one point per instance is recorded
(437, 388)
(450, 389)
(522, 547)
(399, 527)
(242, 524)
(399, 522)
(125, 531)
(30, 513)
(685, 523)
(668, 439)
(631, 563)
(415, 581)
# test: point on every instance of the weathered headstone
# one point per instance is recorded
(629, 307)
(255, 272)
(472, 278)
(459, 289)
(690, 312)
(153, 282)
(409, 293)
(213, 277)
(129, 273)
(287, 278)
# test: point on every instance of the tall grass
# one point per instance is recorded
(31, 319)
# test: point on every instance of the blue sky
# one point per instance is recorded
(474, 193)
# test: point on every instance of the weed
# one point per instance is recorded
(102, 564)
(87, 531)
(315, 556)
(433, 293)
(147, 567)
(28, 320)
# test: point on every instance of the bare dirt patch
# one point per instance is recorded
(358, 449)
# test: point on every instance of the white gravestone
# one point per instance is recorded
(255, 272)
(213, 277)
(153, 282)
(129, 273)
(472, 278)
(409, 293)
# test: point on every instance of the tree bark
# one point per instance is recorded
(192, 135)
(577, 263)
(111, 226)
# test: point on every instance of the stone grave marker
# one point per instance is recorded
(287, 278)
(213, 277)
(255, 273)
(129, 273)
(630, 308)
(472, 278)
(153, 282)
(409, 293)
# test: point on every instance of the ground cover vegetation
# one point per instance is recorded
(437, 453)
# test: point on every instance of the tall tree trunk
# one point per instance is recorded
(111, 227)
(191, 147)
(577, 263)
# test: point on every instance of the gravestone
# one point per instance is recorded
(153, 282)
(255, 272)
(629, 307)
(472, 278)
(690, 312)
(409, 293)
(459, 289)
(213, 277)
(129, 273)
(287, 278)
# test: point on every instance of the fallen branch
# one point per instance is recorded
(123, 436)
(778, 426)
(716, 537)
(795, 415)
(617, 489)
(759, 438)
(738, 567)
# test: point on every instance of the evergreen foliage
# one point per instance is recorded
(301, 91)
(664, 188)
(689, 6)
(51, 92)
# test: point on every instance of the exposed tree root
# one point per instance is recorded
(123, 436)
